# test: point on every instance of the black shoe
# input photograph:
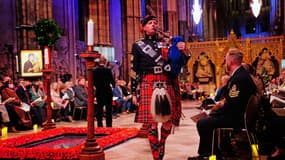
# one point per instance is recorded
(198, 158)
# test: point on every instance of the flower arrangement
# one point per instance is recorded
(47, 32)
(11, 148)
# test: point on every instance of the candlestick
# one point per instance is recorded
(90, 33)
(17, 64)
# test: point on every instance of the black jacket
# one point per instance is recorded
(103, 80)
(238, 91)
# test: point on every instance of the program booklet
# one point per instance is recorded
(199, 116)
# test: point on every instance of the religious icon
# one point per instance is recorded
(31, 63)
(204, 69)
(266, 62)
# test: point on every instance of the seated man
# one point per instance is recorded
(230, 114)
(122, 97)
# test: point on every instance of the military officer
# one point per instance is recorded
(239, 89)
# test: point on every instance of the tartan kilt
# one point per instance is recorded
(143, 114)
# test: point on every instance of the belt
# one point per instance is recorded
(156, 69)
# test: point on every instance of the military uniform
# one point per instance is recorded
(238, 91)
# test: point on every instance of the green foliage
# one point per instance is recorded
(47, 32)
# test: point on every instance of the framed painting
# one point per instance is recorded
(31, 63)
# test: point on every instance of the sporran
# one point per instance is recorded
(160, 103)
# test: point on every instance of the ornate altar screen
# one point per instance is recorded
(207, 63)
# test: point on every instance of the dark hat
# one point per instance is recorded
(147, 18)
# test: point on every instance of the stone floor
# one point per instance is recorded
(183, 143)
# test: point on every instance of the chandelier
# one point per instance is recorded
(255, 7)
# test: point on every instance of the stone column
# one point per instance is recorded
(65, 15)
(28, 13)
(172, 17)
(131, 10)
(99, 13)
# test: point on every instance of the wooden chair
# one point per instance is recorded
(81, 109)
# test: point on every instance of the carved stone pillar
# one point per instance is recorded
(65, 15)
(172, 17)
(183, 18)
(209, 10)
(99, 13)
(28, 13)
(131, 10)
(156, 8)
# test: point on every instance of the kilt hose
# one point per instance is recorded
(143, 114)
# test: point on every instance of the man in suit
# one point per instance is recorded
(238, 91)
(103, 80)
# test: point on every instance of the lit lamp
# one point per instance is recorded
(91, 149)
(196, 12)
(255, 7)
(35, 127)
(254, 149)
(213, 157)
(4, 131)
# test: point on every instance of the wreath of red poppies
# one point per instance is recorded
(10, 148)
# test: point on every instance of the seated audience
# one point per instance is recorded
(39, 89)
(80, 91)
(18, 112)
(4, 119)
(23, 92)
(38, 101)
(123, 98)
(67, 94)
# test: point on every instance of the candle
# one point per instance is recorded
(4, 131)
(254, 149)
(35, 127)
(17, 64)
(46, 57)
(90, 34)
(52, 105)
(212, 157)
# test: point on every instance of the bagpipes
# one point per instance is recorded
(176, 59)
